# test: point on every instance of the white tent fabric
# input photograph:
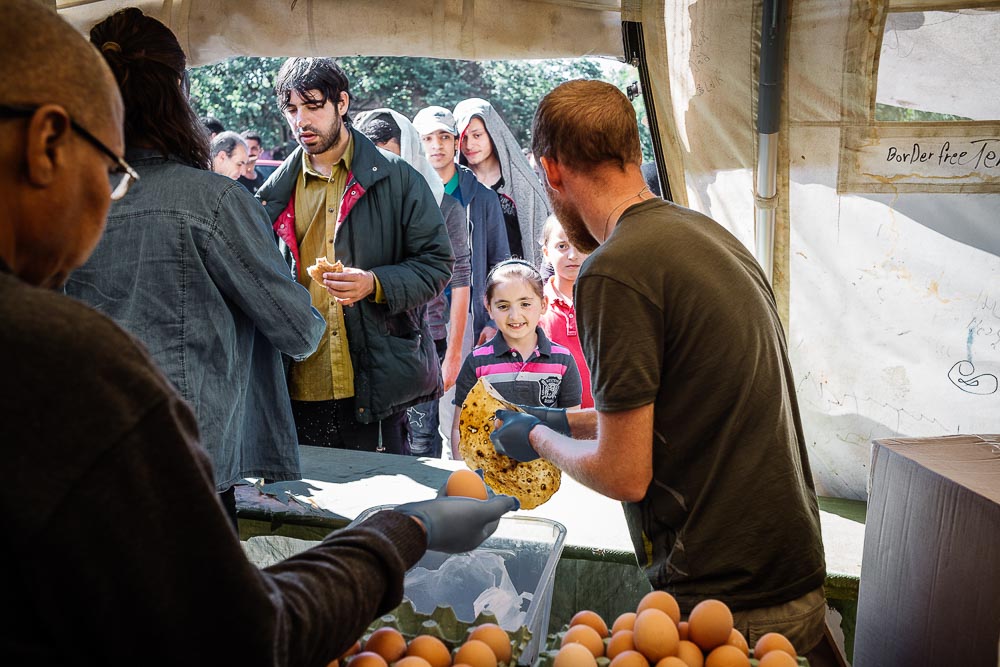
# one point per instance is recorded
(887, 268)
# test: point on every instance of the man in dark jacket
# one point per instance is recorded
(339, 197)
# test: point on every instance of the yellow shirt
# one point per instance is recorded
(328, 373)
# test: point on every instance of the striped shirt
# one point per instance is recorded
(549, 378)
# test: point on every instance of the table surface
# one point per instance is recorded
(338, 485)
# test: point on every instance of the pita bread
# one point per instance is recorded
(322, 266)
(532, 483)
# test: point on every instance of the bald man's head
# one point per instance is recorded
(60, 130)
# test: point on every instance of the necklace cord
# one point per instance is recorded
(627, 200)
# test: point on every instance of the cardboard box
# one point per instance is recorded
(930, 574)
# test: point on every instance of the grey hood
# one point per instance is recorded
(519, 180)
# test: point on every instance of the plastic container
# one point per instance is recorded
(530, 548)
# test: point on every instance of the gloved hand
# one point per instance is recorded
(554, 418)
(511, 439)
(454, 524)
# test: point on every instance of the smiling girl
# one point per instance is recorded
(520, 361)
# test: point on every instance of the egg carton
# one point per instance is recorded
(444, 625)
(553, 642)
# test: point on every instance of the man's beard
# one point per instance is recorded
(572, 223)
(327, 140)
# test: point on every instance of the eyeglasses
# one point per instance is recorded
(120, 178)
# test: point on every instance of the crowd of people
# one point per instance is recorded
(192, 348)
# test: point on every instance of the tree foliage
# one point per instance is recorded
(240, 91)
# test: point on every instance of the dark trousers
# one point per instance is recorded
(332, 424)
(423, 420)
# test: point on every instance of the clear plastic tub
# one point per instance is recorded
(530, 548)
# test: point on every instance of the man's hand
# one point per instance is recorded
(554, 418)
(511, 439)
(455, 525)
(450, 368)
(486, 334)
(350, 286)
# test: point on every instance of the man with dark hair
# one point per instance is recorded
(213, 126)
(693, 414)
(100, 453)
(229, 154)
(384, 132)
(337, 196)
(251, 179)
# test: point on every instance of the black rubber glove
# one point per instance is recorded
(511, 439)
(554, 418)
(454, 524)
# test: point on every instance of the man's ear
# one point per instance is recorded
(49, 131)
(553, 172)
(344, 103)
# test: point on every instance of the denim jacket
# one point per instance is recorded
(189, 266)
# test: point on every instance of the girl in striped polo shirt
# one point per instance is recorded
(519, 361)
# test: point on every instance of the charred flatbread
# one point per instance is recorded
(532, 483)
(322, 266)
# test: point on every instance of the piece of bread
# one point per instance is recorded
(322, 266)
(532, 483)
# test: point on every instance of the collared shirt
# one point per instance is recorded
(559, 323)
(548, 378)
(328, 374)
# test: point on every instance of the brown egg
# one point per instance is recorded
(655, 635)
(772, 641)
(574, 655)
(682, 629)
(586, 635)
(333, 663)
(778, 659)
(623, 622)
(620, 641)
(663, 601)
(476, 653)
(630, 659)
(736, 639)
(412, 661)
(495, 637)
(388, 643)
(710, 624)
(726, 656)
(368, 659)
(671, 661)
(593, 619)
(430, 649)
(690, 653)
(355, 648)
(465, 483)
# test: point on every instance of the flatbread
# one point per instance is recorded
(532, 483)
(322, 266)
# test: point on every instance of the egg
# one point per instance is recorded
(671, 661)
(630, 659)
(574, 655)
(586, 635)
(620, 641)
(663, 601)
(778, 659)
(476, 653)
(430, 649)
(655, 635)
(495, 637)
(772, 641)
(333, 663)
(367, 659)
(736, 639)
(623, 622)
(465, 483)
(726, 656)
(412, 661)
(593, 619)
(355, 648)
(388, 643)
(690, 653)
(682, 629)
(710, 624)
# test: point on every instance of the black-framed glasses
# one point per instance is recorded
(121, 177)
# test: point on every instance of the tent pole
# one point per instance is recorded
(768, 122)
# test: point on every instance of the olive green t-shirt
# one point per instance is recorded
(674, 311)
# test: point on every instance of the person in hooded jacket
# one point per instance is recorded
(489, 148)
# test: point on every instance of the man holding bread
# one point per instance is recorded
(337, 197)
